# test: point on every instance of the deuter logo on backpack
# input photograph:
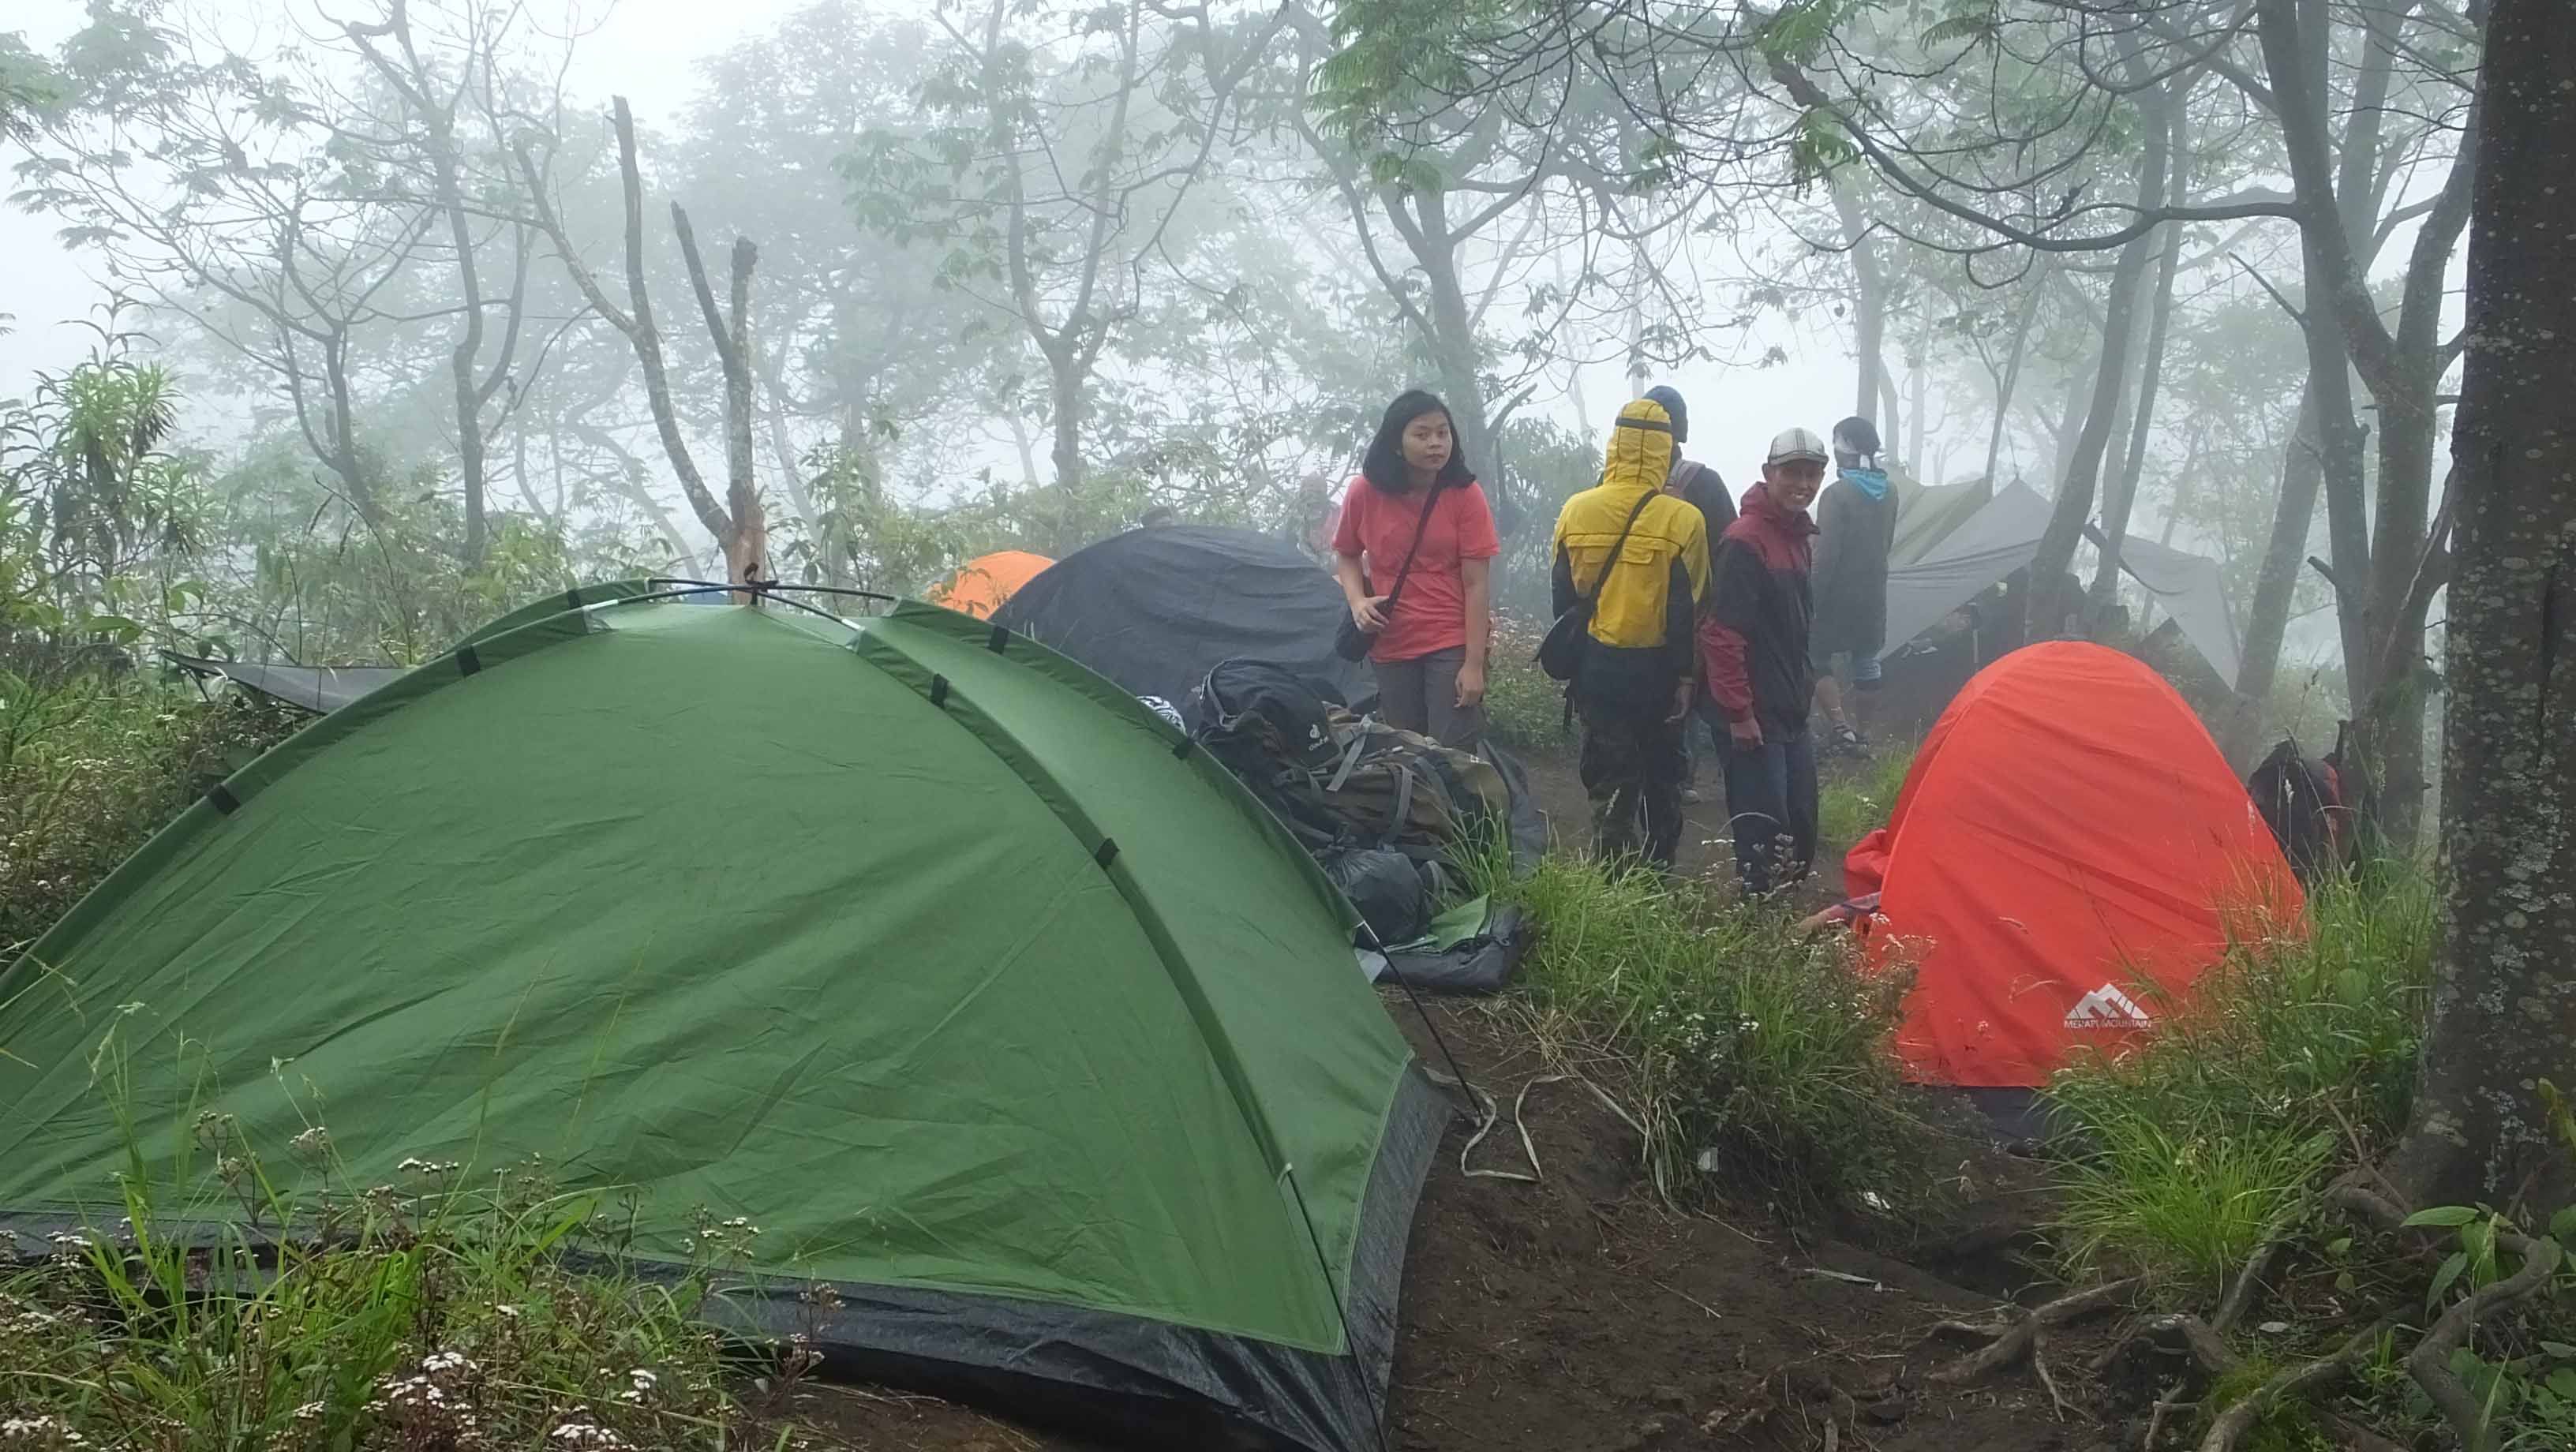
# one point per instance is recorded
(2107, 1007)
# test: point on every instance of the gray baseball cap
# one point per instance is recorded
(1791, 444)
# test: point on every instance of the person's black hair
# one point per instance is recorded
(1859, 431)
(1384, 467)
(1671, 399)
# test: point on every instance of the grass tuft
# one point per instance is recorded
(1733, 1034)
(1853, 805)
(2293, 1055)
(435, 1316)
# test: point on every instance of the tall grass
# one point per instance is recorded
(218, 1316)
(2293, 1055)
(1737, 1038)
(1853, 804)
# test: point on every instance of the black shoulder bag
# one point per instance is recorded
(1354, 643)
(1561, 653)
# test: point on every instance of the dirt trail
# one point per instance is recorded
(1577, 1315)
(1706, 850)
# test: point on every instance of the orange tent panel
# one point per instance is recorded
(2069, 853)
(986, 581)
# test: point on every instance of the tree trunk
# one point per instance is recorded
(2268, 619)
(1869, 318)
(2504, 999)
(748, 550)
(1064, 412)
(2117, 506)
(2075, 488)
(2010, 383)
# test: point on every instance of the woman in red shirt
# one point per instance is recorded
(1432, 637)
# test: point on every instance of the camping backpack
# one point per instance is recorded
(1272, 730)
(2298, 799)
(1408, 792)
(1269, 710)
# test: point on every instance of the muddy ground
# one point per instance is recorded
(1577, 1315)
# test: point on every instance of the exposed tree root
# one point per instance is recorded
(2240, 1296)
(2430, 1362)
(2017, 1336)
(2236, 1420)
(2039, 1363)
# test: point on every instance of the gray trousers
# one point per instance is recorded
(1421, 696)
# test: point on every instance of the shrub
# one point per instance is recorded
(91, 766)
(2293, 1055)
(1737, 1037)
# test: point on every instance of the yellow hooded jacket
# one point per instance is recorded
(1647, 604)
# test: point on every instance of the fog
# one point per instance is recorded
(1184, 266)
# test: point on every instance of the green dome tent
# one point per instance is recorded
(993, 1001)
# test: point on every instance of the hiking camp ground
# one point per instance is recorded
(770, 728)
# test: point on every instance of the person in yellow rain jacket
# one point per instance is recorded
(1639, 673)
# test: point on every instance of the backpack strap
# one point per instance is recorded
(1610, 561)
(1421, 527)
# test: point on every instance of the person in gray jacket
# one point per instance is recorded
(1856, 531)
(1699, 486)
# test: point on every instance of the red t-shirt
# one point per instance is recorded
(1378, 527)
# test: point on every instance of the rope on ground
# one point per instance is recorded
(1489, 1114)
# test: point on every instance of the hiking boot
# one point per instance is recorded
(1848, 741)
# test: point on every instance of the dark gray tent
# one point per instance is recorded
(315, 688)
(1156, 609)
(2003, 536)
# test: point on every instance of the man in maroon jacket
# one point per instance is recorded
(1753, 643)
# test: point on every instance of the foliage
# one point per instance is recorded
(1851, 805)
(425, 1315)
(98, 521)
(1754, 1057)
(91, 765)
(2295, 1054)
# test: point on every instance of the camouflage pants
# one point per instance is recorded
(1633, 766)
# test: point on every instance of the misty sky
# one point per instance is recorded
(648, 49)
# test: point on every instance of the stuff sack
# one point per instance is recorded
(1386, 887)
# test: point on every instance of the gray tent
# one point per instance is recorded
(2003, 536)
(315, 688)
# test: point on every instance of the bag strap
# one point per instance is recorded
(1421, 527)
(1611, 560)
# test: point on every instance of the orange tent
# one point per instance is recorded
(2069, 853)
(986, 581)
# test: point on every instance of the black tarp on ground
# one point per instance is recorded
(315, 688)
(1156, 609)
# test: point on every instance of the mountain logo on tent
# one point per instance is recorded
(2107, 1007)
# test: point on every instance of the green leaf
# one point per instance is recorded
(2563, 1352)
(2446, 1215)
(2442, 1278)
(2562, 1226)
